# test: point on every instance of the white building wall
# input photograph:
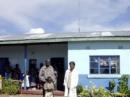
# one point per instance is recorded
(39, 52)
(80, 52)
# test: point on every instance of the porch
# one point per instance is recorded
(32, 55)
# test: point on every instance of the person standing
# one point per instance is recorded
(71, 81)
(47, 71)
(49, 87)
(16, 72)
(25, 80)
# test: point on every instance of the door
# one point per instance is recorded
(58, 64)
(3, 62)
(32, 64)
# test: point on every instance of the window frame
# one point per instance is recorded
(109, 66)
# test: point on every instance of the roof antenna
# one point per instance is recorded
(79, 16)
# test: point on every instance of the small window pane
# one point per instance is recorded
(94, 65)
(104, 71)
(94, 71)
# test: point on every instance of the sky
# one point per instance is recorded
(23, 16)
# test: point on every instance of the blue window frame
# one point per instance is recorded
(104, 64)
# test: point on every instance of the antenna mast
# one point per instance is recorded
(79, 16)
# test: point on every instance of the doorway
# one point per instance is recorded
(58, 64)
(3, 63)
(32, 64)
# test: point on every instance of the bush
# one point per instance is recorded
(79, 89)
(119, 95)
(112, 85)
(94, 92)
(10, 87)
(128, 93)
(84, 93)
(0, 84)
(123, 84)
(100, 92)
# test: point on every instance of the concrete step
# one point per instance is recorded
(39, 92)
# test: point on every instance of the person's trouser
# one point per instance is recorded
(49, 94)
(43, 91)
(70, 92)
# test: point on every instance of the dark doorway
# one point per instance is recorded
(58, 64)
(3, 63)
(32, 64)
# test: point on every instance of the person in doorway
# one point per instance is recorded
(33, 78)
(16, 72)
(7, 70)
(46, 71)
(49, 87)
(71, 81)
(33, 73)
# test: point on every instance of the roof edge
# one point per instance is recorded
(72, 39)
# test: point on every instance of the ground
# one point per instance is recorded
(24, 95)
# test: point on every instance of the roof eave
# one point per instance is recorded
(69, 39)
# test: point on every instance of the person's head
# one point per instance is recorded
(47, 62)
(33, 61)
(72, 65)
(49, 79)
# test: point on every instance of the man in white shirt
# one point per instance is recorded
(71, 81)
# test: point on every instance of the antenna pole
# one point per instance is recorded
(78, 15)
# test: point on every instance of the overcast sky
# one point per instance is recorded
(19, 16)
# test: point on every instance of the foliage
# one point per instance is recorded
(84, 93)
(0, 77)
(128, 93)
(79, 89)
(94, 92)
(118, 95)
(10, 87)
(112, 85)
(100, 92)
(123, 84)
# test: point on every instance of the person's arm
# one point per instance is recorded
(53, 75)
(45, 87)
(41, 75)
(65, 79)
(53, 86)
(76, 78)
(65, 84)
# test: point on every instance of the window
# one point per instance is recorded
(105, 64)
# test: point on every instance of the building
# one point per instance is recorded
(99, 56)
